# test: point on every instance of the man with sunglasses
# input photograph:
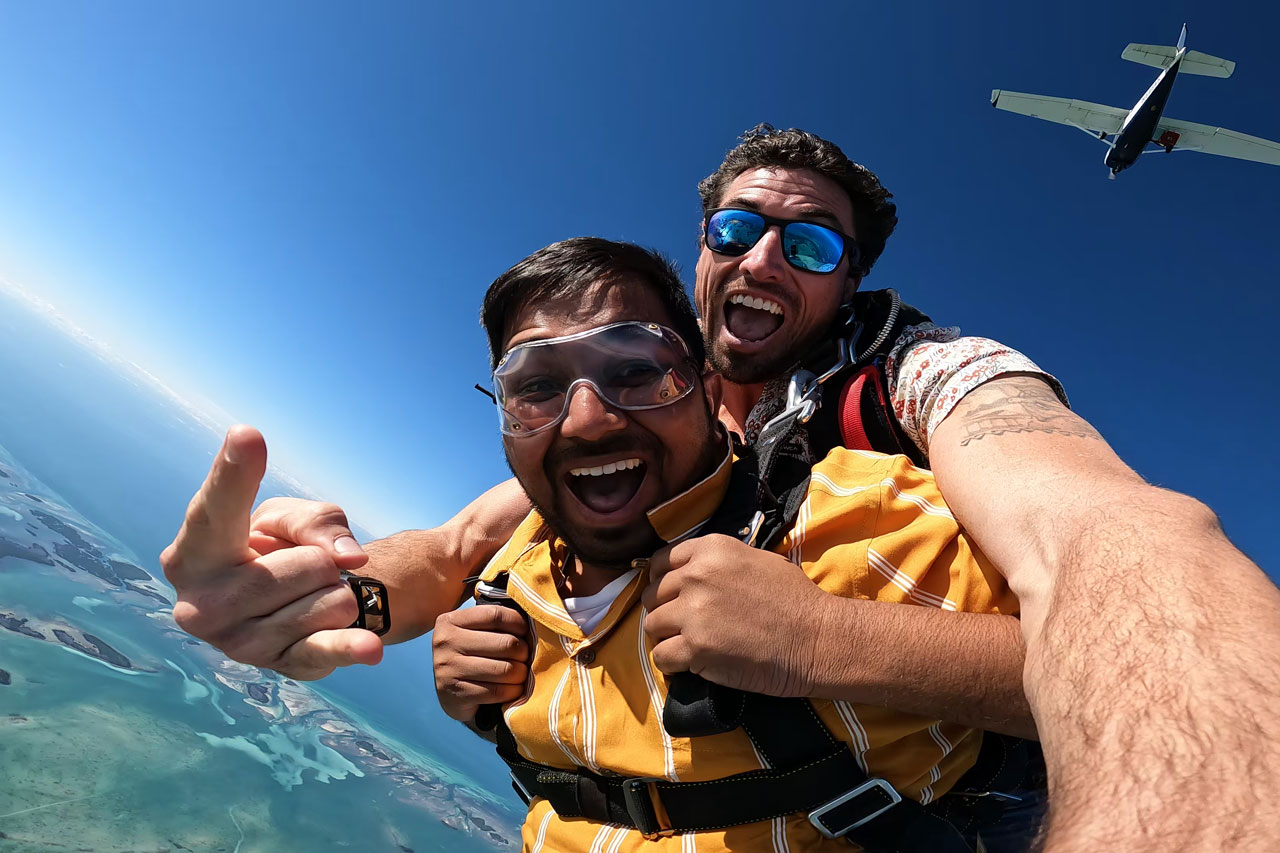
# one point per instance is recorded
(1093, 552)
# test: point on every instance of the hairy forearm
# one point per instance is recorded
(1153, 645)
(426, 570)
(963, 667)
(1157, 681)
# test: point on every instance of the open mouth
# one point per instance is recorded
(606, 488)
(751, 318)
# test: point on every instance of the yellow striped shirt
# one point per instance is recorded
(871, 526)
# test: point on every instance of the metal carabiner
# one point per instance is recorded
(802, 395)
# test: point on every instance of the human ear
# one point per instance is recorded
(713, 390)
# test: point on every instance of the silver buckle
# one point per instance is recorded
(804, 391)
(887, 789)
(521, 789)
(802, 394)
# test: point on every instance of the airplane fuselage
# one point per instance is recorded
(1139, 128)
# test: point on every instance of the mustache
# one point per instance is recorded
(742, 283)
(569, 450)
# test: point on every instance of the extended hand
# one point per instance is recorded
(735, 615)
(265, 589)
(481, 657)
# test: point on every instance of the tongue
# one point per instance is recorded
(750, 324)
(608, 492)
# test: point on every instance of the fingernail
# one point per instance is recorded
(347, 545)
(641, 563)
(229, 451)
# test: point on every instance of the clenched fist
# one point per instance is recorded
(735, 615)
(481, 657)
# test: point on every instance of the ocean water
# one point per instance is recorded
(119, 732)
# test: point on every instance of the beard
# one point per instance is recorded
(605, 549)
(614, 548)
(749, 369)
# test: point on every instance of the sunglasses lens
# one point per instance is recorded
(733, 232)
(812, 247)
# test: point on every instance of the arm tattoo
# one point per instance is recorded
(1017, 406)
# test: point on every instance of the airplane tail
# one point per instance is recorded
(1193, 61)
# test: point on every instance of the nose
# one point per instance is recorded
(764, 262)
(590, 417)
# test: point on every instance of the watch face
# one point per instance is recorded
(371, 595)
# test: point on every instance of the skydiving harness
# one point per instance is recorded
(808, 770)
(840, 393)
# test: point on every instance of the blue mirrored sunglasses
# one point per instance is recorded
(807, 246)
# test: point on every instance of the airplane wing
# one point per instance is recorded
(1096, 118)
(1193, 62)
(1190, 136)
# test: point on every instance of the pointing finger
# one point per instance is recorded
(215, 531)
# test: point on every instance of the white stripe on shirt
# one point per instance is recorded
(905, 582)
(655, 699)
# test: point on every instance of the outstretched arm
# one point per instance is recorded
(425, 570)
(1153, 643)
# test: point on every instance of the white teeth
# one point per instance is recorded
(610, 468)
(756, 302)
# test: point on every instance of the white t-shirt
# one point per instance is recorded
(588, 610)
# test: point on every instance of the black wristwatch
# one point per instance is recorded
(375, 605)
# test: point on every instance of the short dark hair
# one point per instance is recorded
(569, 267)
(765, 147)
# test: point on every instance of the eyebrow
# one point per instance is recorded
(808, 212)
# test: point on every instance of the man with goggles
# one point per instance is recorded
(631, 366)
(1017, 465)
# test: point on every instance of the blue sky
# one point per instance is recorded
(290, 211)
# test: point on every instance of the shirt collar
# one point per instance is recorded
(678, 517)
(535, 556)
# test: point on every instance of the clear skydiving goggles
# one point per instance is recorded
(631, 366)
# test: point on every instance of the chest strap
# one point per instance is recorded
(829, 786)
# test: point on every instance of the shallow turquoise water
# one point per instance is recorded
(167, 745)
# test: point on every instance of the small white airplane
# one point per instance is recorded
(1131, 131)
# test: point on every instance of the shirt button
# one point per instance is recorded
(587, 657)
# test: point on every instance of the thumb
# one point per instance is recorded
(290, 522)
(321, 653)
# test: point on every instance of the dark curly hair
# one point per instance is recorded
(764, 146)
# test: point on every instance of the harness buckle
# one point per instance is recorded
(524, 793)
(803, 394)
(639, 802)
(851, 813)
